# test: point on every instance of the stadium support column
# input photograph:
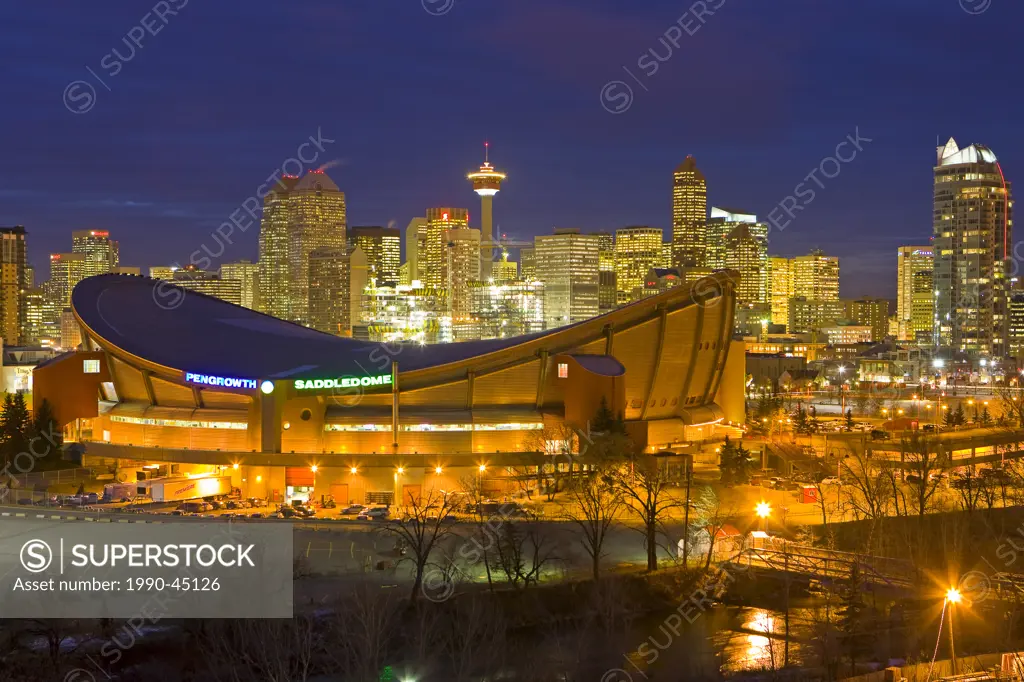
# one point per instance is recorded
(271, 401)
(394, 407)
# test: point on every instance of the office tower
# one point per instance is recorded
(505, 270)
(689, 215)
(870, 312)
(780, 285)
(30, 276)
(382, 246)
(359, 277)
(162, 272)
(807, 315)
(972, 231)
(915, 293)
(70, 332)
(12, 284)
(1016, 326)
(721, 224)
(406, 313)
(101, 252)
(35, 318)
(816, 277)
(248, 276)
(415, 245)
(403, 274)
(527, 263)
(486, 182)
(503, 310)
(666, 255)
(568, 264)
(127, 270)
(460, 267)
(431, 262)
(608, 289)
(637, 250)
(330, 296)
(299, 215)
(66, 270)
(748, 255)
(192, 278)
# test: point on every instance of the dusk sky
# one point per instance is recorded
(208, 108)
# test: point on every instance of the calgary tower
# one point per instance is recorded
(486, 182)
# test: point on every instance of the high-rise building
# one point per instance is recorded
(415, 245)
(689, 215)
(70, 331)
(567, 263)
(101, 252)
(299, 216)
(162, 272)
(870, 312)
(406, 313)
(816, 277)
(382, 246)
(780, 285)
(359, 278)
(527, 264)
(637, 251)
(486, 183)
(30, 276)
(66, 270)
(973, 229)
(12, 284)
(806, 315)
(608, 289)
(431, 263)
(748, 255)
(192, 278)
(915, 293)
(36, 331)
(666, 256)
(460, 267)
(721, 224)
(1016, 325)
(248, 276)
(330, 307)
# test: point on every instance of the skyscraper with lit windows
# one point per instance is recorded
(247, 274)
(431, 264)
(567, 263)
(973, 231)
(382, 246)
(637, 250)
(816, 277)
(101, 252)
(780, 288)
(915, 293)
(689, 215)
(748, 255)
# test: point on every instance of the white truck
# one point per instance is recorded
(176, 489)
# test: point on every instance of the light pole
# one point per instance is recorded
(763, 511)
(953, 598)
(313, 492)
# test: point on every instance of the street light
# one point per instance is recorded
(438, 470)
(953, 598)
(763, 511)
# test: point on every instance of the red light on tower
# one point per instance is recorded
(444, 216)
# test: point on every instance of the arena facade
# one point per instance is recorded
(179, 382)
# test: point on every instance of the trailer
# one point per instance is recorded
(115, 492)
(177, 489)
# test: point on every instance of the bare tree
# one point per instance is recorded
(272, 650)
(922, 464)
(643, 487)
(559, 444)
(522, 551)
(422, 528)
(361, 634)
(593, 506)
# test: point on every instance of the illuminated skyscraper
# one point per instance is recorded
(36, 331)
(101, 252)
(13, 319)
(192, 278)
(299, 216)
(568, 264)
(721, 224)
(415, 245)
(248, 275)
(870, 312)
(330, 307)
(689, 215)
(915, 292)
(66, 270)
(503, 310)
(382, 246)
(461, 267)
(637, 251)
(608, 290)
(431, 264)
(162, 272)
(973, 229)
(505, 270)
(486, 182)
(527, 263)
(816, 277)
(748, 255)
(780, 285)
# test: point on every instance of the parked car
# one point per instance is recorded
(913, 479)
(257, 502)
(786, 484)
(379, 513)
(830, 480)
(929, 428)
(353, 509)
(878, 434)
(257, 515)
(290, 513)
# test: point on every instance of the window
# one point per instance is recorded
(91, 366)
(563, 370)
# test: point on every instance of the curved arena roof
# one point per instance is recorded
(179, 330)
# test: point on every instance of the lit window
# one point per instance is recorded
(563, 370)
(91, 366)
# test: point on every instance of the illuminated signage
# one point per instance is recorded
(343, 382)
(226, 382)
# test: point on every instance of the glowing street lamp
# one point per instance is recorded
(953, 597)
(763, 511)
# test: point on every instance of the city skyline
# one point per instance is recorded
(551, 143)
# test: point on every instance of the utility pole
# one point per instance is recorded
(688, 463)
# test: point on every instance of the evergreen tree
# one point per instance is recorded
(800, 423)
(45, 434)
(959, 419)
(849, 420)
(735, 463)
(855, 620)
(949, 419)
(14, 426)
(986, 418)
(607, 422)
